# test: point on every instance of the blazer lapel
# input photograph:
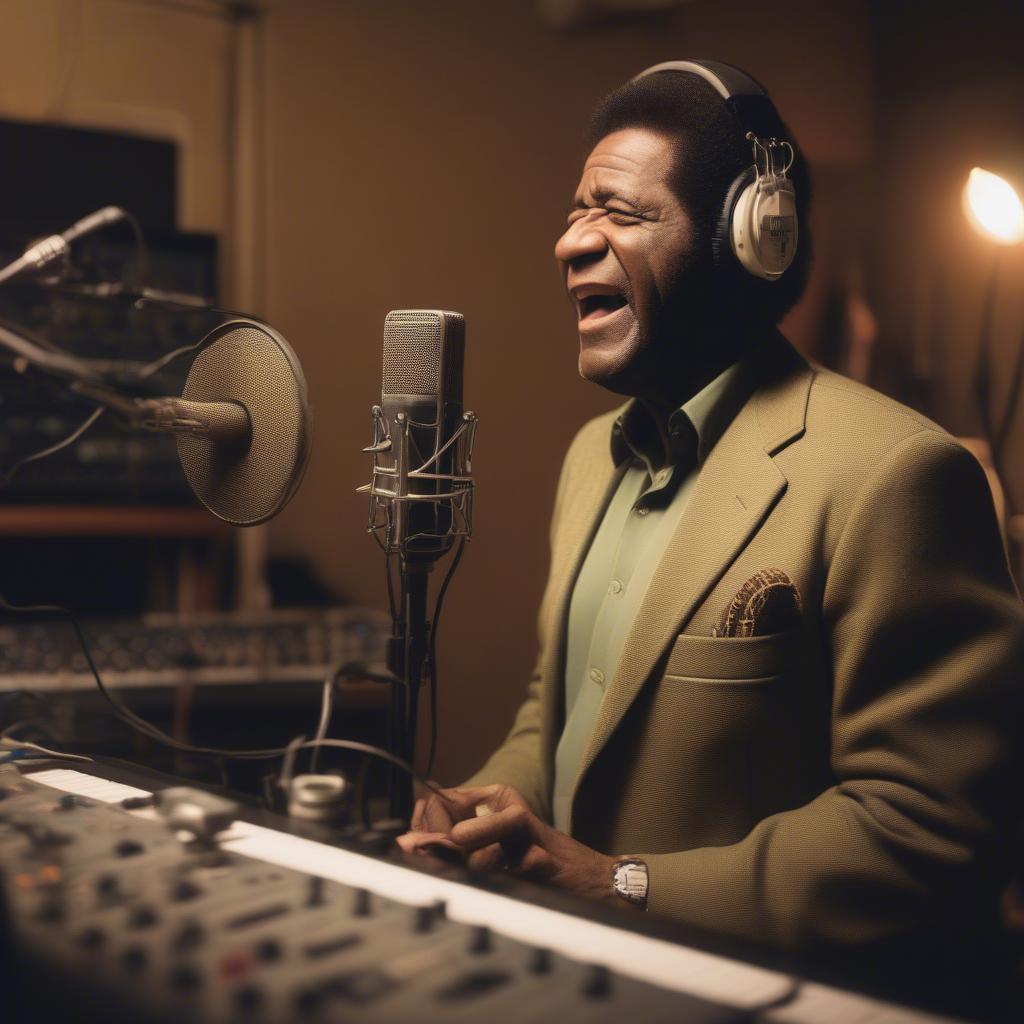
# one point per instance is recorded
(737, 487)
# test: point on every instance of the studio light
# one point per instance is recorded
(993, 207)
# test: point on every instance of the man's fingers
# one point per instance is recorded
(417, 823)
(490, 858)
(463, 802)
(535, 864)
(427, 842)
(513, 824)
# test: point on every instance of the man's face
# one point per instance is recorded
(624, 257)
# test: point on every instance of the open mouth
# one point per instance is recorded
(594, 307)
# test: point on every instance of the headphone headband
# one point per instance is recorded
(745, 97)
(727, 81)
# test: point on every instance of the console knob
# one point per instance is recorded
(315, 895)
(189, 935)
(183, 890)
(423, 919)
(107, 884)
(480, 939)
(92, 938)
(540, 961)
(269, 950)
(597, 983)
(361, 904)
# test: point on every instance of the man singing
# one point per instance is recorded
(780, 647)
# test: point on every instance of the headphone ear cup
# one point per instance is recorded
(722, 251)
(764, 229)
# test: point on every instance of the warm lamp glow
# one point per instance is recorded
(993, 207)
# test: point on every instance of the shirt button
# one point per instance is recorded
(661, 476)
(596, 676)
(615, 587)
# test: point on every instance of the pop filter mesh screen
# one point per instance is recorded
(248, 484)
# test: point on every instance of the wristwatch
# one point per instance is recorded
(630, 881)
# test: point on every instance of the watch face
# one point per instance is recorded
(631, 881)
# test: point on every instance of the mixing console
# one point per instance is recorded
(114, 916)
(206, 648)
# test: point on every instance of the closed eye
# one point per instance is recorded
(615, 215)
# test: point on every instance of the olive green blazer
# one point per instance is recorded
(845, 781)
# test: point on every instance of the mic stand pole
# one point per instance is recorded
(408, 649)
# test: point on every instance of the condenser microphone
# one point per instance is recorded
(423, 438)
(54, 247)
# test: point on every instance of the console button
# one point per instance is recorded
(143, 916)
(186, 978)
(248, 998)
(134, 958)
(184, 890)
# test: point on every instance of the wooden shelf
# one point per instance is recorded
(172, 522)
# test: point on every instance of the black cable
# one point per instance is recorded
(148, 729)
(391, 589)
(141, 252)
(432, 650)
(37, 339)
(75, 434)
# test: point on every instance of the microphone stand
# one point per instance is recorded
(391, 507)
(407, 652)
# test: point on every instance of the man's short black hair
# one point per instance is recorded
(710, 154)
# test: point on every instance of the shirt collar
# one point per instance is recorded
(704, 417)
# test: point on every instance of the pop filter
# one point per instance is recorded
(251, 365)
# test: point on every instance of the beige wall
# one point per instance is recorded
(422, 155)
(136, 67)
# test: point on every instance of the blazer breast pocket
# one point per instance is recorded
(730, 661)
(705, 724)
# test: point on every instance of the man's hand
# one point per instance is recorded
(507, 834)
(493, 828)
(434, 816)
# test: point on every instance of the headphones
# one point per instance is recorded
(758, 223)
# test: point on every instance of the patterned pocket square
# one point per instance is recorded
(768, 602)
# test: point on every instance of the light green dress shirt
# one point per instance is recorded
(630, 541)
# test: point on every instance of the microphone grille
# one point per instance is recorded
(414, 350)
